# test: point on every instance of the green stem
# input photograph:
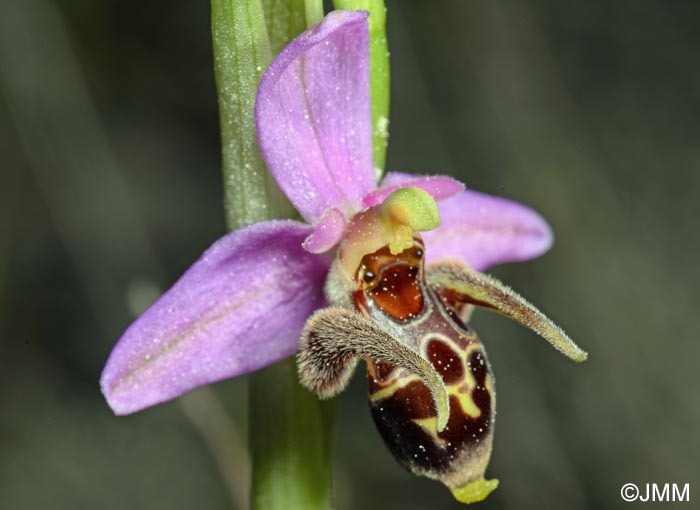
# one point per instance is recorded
(291, 435)
(291, 430)
(285, 19)
(241, 55)
(314, 12)
(379, 74)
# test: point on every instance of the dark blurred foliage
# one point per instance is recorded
(110, 188)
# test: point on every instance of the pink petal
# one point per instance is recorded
(327, 233)
(439, 186)
(484, 230)
(313, 117)
(240, 307)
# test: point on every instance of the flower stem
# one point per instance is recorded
(379, 75)
(291, 430)
(314, 12)
(291, 434)
(241, 55)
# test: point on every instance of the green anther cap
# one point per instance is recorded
(412, 207)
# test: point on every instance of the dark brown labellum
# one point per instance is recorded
(401, 404)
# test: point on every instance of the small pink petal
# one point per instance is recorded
(313, 116)
(440, 187)
(485, 230)
(240, 307)
(327, 233)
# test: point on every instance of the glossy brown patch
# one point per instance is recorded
(391, 282)
(398, 292)
(446, 361)
(480, 369)
(373, 263)
(383, 370)
(360, 301)
(452, 307)
(412, 401)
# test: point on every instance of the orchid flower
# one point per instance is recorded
(388, 274)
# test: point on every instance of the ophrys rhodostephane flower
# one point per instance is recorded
(357, 281)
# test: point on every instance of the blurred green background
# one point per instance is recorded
(110, 187)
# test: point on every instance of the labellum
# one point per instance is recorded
(431, 389)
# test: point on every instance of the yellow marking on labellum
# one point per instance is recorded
(395, 373)
(395, 386)
(489, 384)
(467, 376)
(429, 426)
(466, 383)
(461, 390)
(465, 401)
(440, 398)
